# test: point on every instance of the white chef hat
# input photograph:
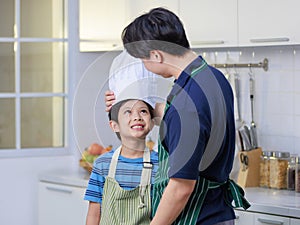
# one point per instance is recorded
(129, 79)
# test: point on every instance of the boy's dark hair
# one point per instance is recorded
(159, 29)
(114, 112)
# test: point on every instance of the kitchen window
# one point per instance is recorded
(33, 92)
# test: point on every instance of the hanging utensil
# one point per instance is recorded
(253, 131)
(239, 122)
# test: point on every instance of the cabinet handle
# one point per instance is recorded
(63, 190)
(217, 42)
(267, 221)
(263, 40)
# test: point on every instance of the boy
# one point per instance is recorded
(120, 183)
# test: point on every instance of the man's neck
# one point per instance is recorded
(179, 63)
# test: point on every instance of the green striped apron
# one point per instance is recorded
(127, 207)
(190, 213)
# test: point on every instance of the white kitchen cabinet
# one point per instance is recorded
(268, 22)
(252, 218)
(101, 23)
(294, 221)
(210, 23)
(244, 218)
(262, 219)
(61, 204)
(138, 7)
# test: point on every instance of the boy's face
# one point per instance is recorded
(134, 120)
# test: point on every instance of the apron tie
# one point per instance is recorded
(235, 192)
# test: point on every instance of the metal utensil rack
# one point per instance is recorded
(264, 64)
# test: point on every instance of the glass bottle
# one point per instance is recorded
(264, 173)
(278, 170)
(291, 173)
(297, 177)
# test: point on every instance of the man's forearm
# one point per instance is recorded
(174, 199)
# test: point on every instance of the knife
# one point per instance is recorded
(253, 137)
(246, 138)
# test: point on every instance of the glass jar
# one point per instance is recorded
(297, 177)
(278, 169)
(264, 172)
(291, 173)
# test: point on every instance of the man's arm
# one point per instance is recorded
(109, 98)
(173, 201)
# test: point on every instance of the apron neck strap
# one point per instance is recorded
(113, 163)
(147, 166)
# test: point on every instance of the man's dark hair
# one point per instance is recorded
(114, 112)
(159, 29)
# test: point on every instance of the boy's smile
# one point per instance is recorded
(138, 127)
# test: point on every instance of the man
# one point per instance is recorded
(197, 133)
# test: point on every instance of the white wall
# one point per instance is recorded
(277, 93)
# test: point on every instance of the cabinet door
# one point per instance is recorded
(61, 205)
(244, 218)
(295, 222)
(262, 219)
(210, 23)
(101, 23)
(138, 7)
(269, 22)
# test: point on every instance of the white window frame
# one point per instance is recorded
(17, 95)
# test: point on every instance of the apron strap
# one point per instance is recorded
(146, 176)
(114, 162)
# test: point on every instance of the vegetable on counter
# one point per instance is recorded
(90, 154)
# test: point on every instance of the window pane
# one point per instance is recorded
(42, 18)
(42, 67)
(7, 67)
(7, 14)
(7, 123)
(42, 122)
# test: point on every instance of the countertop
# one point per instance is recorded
(262, 200)
(77, 177)
(275, 202)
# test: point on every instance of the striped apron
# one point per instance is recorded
(127, 207)
(191, 212)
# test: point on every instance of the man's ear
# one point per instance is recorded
(114, 126)
(156, 56)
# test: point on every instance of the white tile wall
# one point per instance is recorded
(277, 93)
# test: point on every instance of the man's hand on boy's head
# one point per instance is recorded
(109, 100)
